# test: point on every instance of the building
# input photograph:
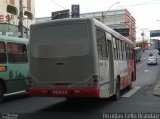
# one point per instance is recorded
(9, 15)
(119, 20)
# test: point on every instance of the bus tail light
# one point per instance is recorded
(95, 78)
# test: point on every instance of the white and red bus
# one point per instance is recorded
(79, 57)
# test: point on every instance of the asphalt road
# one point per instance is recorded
(138, 100)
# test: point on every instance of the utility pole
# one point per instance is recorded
(142, 34)
(20, 25)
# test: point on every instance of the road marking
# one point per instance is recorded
(141, 64)
(131, 92)
(15, 93)
(146, 70)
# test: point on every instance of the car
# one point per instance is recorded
(152, 59)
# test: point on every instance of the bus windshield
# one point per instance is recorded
(60, 40)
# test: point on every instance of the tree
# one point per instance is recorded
(141, 44)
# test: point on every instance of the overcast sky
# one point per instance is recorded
(146, 12)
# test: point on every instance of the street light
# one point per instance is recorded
(112, 6)
(143, 34)
(109, 8)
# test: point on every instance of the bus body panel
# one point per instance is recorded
(66, 72)
(55, 74)
(61, 64)
(104, 79)
(65, 92)
(61, 71)
(15, 77)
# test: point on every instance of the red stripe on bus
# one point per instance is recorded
(65, 92)
(125, 81)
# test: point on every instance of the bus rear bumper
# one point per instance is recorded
(64, 92)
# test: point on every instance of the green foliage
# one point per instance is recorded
(141, 43)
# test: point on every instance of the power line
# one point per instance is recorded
(144, 3)
(58, 4)
(148, 2)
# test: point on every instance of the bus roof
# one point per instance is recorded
(96, 22)
(59, 21)
(13, 38)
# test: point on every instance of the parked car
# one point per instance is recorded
(152, 59)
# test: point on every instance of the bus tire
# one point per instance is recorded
(117, 94)
(1, 92)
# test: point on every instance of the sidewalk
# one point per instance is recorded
(156, 87)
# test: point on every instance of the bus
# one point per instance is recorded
(14, 67)
(138, 53)
(79, 58)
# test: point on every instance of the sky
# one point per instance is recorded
(145, 12)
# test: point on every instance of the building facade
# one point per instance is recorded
(9, 15)
(119, 20)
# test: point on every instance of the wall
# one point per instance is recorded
(9, 13)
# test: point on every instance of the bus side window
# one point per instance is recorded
(130, 52)
(98, 37)
(125, 51)
(122, 50)
(115, 48)
(17, 53)
(119, 50)
(3, 58)
(104, 45)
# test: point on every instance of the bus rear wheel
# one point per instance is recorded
(1, 92)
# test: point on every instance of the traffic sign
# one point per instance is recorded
(154, 33)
